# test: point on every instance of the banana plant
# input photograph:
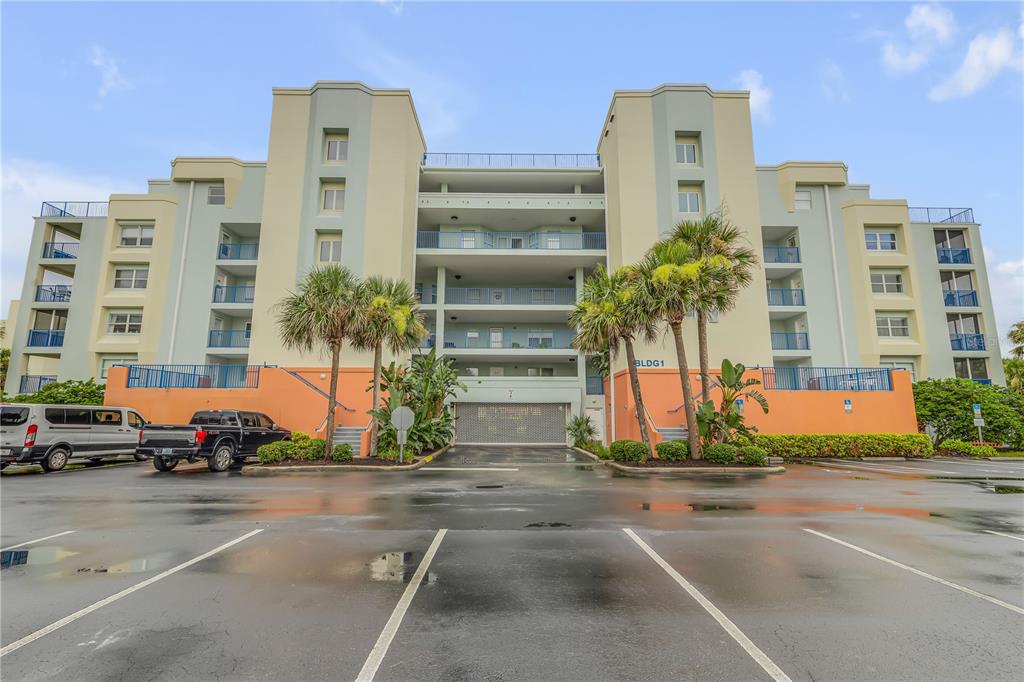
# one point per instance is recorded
(726, 423)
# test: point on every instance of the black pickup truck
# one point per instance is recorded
(218, 436)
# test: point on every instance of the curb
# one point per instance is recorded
(681, 471)
(259, 470)
(1005, 459)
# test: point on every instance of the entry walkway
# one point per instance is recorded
(506, 456)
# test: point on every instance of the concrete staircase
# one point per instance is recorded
(673, 433)
(350, 435)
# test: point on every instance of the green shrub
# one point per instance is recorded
(673, 450)
(810, 445)
(392, 455)
(629, 451)
(310, 449)
(597, 447)
(753, 455)
(298, 437)
(342, 452)
(720, 453)
(952, 447)
(72, 392)
(581, 429)
(276, 452)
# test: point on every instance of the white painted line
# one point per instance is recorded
(891, 468)
(468, 469)
(13, 646)
(380, 649)
(1005, 535)
(32, 542)
(941, 581)
(759, 656)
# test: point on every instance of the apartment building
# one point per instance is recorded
(181, 281)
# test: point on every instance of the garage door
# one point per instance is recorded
(482, 423)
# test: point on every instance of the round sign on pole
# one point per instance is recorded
(402, 418)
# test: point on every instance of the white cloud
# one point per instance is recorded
(760, 95)
(899, 60)
(987, 56)
(834, 84)
(111, 78)
(393, 6)
(1006, 282)
(930, 22)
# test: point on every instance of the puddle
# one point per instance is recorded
(584, 467)
(34, 556)
(548, 524)
(397, 567)
(152, 563)
(490, 486)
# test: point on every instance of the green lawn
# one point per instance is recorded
(1011, 453)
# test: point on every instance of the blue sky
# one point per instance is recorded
(923, 102)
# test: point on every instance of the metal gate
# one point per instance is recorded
(497, 423)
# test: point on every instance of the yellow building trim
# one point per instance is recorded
(793, 173)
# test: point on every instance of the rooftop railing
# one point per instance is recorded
(827, 378)
(74, 209)
(486, 160)
(193, 376)
(959, 216)
(540, 241)
(30, 383)
(509, 295)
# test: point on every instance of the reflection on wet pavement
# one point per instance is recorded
(398, 567)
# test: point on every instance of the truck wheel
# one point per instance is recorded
(221, 458)
(164, 463)
(55, 459)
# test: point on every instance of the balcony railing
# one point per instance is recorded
(790, 341)
(595, 385)
(785, 297)
(826, 378)
(470, 160)
(74, 209)
(960, 216)
(511, 240)
(60, 249)
(954, 256)
(966, 298)
(782, 254)
(45, 338)
(560, 339)
(509, 296)
(429, 341)
(193, 376)
(235, 294)
(53, 293)
(30, 383)
(427, 296)
(967, 341)
(982, 381)
(238, 251)
(229, 338)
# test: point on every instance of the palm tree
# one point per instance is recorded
(393, 320)
(322, 314)
(608, 315)
(717, 291)
(1016, 337)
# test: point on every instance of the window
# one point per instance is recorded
(334, 196)
(689, 201)
(108, 361)
(887, 282)
(265, 421)
(336, 147)
(134, 419)
(802, 200)
(468, 239)
(497, 371)
(13, 416)
(880, 241)
(330, 249)
(970, 368)
(124, 323)
(136, 235)
(553, 241)
(472, 371)
(131, 278)
(950, 239)
(892, 325)
(249, 420)
(106, 417)
(77, 416)
(541, 338)
(54, 415)
(955, 280)
(215, 195)
(472, 338)
(964, 324)
(540, 371)
(899, 363)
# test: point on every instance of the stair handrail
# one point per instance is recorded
(714, 384)
(316, 388)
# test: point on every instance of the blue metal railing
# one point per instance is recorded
(509, 295)
(53, 293)
(243, 293)
(510, 240)
(426, 296)
(785, 297)
(239, 251)
(920, 214)
(193, 376)
(429, 341)
(74, 209)
(229, 338)
(46, 338)
(963, 298)
(967, 341)
(471, 160)
(790, 341)
(60, 249)
(595, 385)
(782, 254)
(560, 338)
(954, 256)
(826, 378)
(982, 381)
(30, 383)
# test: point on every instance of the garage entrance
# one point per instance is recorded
(501, 423)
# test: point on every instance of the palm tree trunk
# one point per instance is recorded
(634, 382)
(376, 398)
(702, 351)
(332, 399)
(684, 379)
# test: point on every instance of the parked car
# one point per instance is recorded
(52, 435)
(218, 436)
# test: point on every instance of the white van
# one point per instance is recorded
(50, 435)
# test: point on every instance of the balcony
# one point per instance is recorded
(61, 250)
(429, 341)
(782, 254)
(228, 338)
(53, 293)
(967, 298)
(426, 297)
(539, 241)
(595, 385)
(238, 251)
(826, 379)
(790, 341)
(45, 338)
(74, 209)
(561, 339)
(510, 296)
(30, 383)
(954, 256)
(510, 161)
(234, 294)
(956, 216)
(785, 297)
(967, 341)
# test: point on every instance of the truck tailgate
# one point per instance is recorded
(167, 436)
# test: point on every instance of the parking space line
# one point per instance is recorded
(469, 469)
(890, 468)
(1005, 535)
(941, 581)
(759, 656)
(380, 649)
(13, 646)
(32, 542)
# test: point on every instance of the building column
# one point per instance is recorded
(440, 317)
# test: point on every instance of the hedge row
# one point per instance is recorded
(957, 448)
(303, 449)
(840, 445)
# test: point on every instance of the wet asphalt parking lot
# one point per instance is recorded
(515, 563)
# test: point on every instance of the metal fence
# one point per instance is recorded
(244, 293)
(785, 297)
(74, 209)
(60, 249)
(53, 293)
(923, 214)
(509, 295)
(239, 251)
(781, 254)
(30, 383)
(510, 240)
(486, 160)
(790, 341)
(954, 256)
(45, 338)
(965, 298)
(826, 378)
(193, 376)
